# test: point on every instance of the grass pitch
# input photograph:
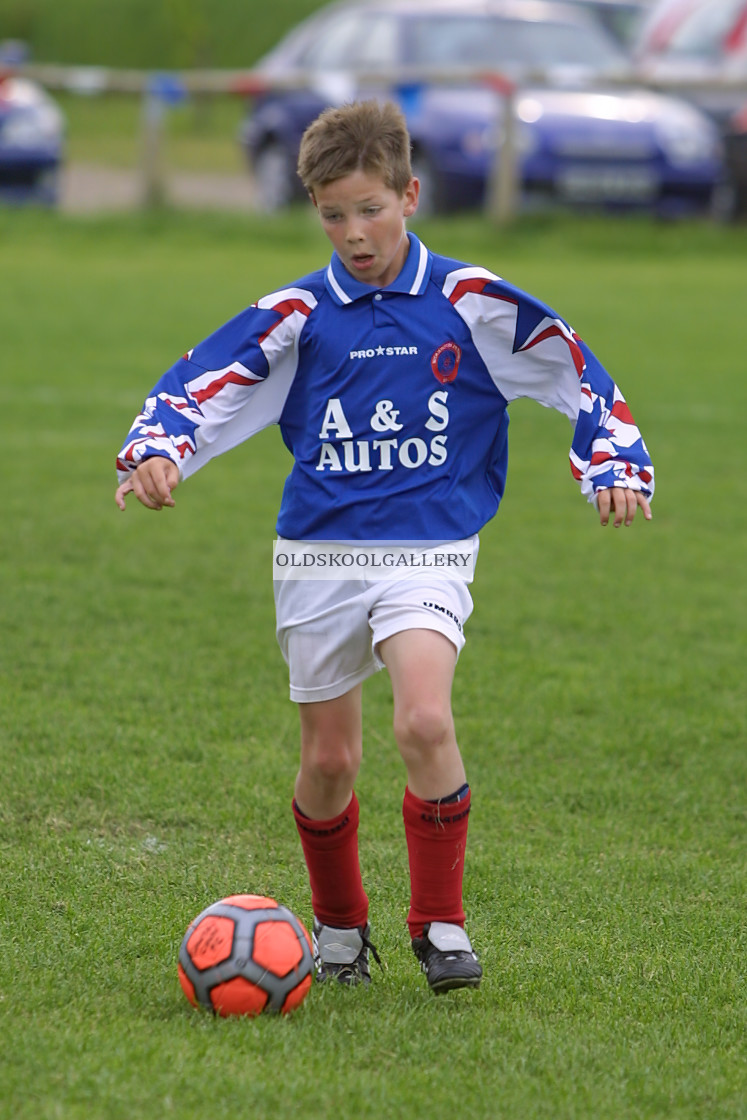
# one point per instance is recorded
(147, 747)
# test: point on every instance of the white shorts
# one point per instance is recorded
(329, 630)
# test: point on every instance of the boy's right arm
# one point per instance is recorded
(152, 483)
(220, 393)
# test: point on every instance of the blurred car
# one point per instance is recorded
(655, 30)
(697, 47)
(32, 130)
(580, 142)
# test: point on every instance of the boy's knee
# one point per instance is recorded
(422, 726)
(335, 765)
(332, 760)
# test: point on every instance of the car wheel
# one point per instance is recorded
(430, 201)
(736, 162)
(274, 178)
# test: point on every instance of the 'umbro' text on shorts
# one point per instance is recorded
(329, 630)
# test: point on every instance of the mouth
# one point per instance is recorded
(362, 260)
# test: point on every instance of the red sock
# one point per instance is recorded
(330, 849)
(436, 838)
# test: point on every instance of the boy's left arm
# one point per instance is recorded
(608, 456)
(531, 352)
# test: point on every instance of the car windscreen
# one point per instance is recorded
(479, 41)
(351, 41)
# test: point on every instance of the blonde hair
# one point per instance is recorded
(366, 136)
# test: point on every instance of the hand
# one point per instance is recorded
(152, 483)
(623, 503)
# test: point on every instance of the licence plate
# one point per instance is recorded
(606, 184)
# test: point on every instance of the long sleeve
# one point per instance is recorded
(530, 351)
(225, 390)
(607, 448)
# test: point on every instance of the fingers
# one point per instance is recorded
(620, 503)
(146, 490)
(124, 489)
(613, 503)
(154, 481)
(152, 484)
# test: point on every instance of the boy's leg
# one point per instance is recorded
(421, 666)
(436, 804)
(326, 812)
(331, 752)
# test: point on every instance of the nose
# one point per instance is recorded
(354, 231)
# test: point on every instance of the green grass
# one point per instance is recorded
(199, 135)
(147, 747)
(151, 34)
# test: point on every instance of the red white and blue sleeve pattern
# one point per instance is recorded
(531, 352)
(226, 389)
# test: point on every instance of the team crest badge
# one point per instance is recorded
(445, 362)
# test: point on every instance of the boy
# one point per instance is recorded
(389, 373)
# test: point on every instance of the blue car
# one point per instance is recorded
(583, 138)
(32, 132)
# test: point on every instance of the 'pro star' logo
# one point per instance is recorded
(383, 352)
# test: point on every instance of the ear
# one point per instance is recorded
(410, 197)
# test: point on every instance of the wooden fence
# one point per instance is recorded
(158, 90)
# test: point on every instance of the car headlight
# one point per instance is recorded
(30, 130)
(686, 138)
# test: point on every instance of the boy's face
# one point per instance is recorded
(365, 221)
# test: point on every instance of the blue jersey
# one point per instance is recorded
(393, 401)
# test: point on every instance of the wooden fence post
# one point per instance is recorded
(161, 91)
(502, 188)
